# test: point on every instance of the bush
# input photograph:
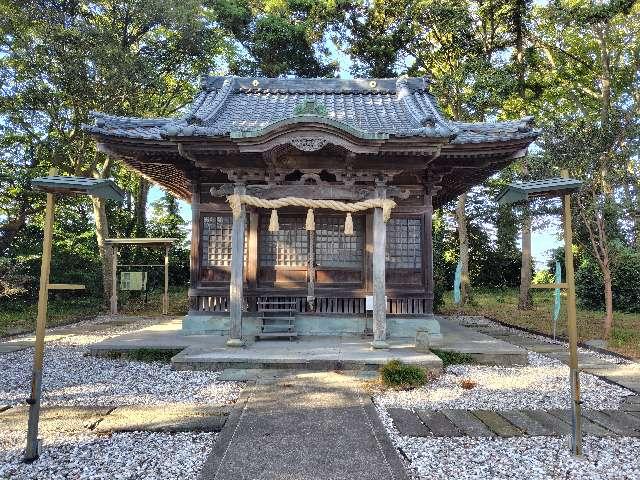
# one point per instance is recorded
(399, 375)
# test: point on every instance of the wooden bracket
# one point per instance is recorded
(549, 285)
(65, 286)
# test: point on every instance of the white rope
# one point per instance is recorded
(236, 201)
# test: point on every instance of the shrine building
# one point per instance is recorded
(312, 199)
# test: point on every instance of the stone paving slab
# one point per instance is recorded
(312, 426)
(616, 422)
(512, 423)
(631, 403)
(497, 424)
(408, 422)
(13, 347)
(54, 420)
(588, 427)
(166, 418)
(525, 423)
(438, 424)
(467, 423)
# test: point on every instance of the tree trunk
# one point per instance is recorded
(525, 302)
(102, 232)
(463, 239)
(607, 322)
(140, 208)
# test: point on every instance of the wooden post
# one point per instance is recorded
(165, 297)
(194, 267)
(237, 273)
(572, 329)
(252, 257)
(379, 290)
(428, 252)
(33, 444)
(114, 281)
(311, 270)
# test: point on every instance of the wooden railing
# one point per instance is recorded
(323, 305)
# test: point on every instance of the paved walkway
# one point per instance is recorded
(306, 426)
(516, 423)
(625, 375)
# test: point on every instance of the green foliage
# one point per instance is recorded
(626, 289)
(543, 276)
(282, 37)
(399, 375)
(452, 358)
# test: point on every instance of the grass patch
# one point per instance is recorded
(452, 358)
(396, 374)
(502, 305)
(20, 317)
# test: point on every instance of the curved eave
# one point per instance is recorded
(309, 119)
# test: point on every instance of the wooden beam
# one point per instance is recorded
(316, 192)
(237, 273)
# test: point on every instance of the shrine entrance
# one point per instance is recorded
(316, 140)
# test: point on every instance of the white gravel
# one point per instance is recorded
(139, 455)
(533, 458)
(72, 378)
(541, 385)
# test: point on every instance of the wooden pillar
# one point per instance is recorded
(32, 451)
(114, 281)
(428, 251)
(379, 272)
(311, 270)
(165, 297)
(195, 246)
(572, 329)
(237, 273)
(252, 257)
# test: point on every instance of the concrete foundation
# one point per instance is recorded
(316, 325)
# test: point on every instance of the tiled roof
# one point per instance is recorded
(235, 107)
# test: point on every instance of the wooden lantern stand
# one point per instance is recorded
(53, 185)
(553, 187)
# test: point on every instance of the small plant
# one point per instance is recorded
(468, 384)
(399, 375)
(452, 358)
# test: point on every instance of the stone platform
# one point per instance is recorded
(206, 352)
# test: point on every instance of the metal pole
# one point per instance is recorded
(33, 443)
(572, 330)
